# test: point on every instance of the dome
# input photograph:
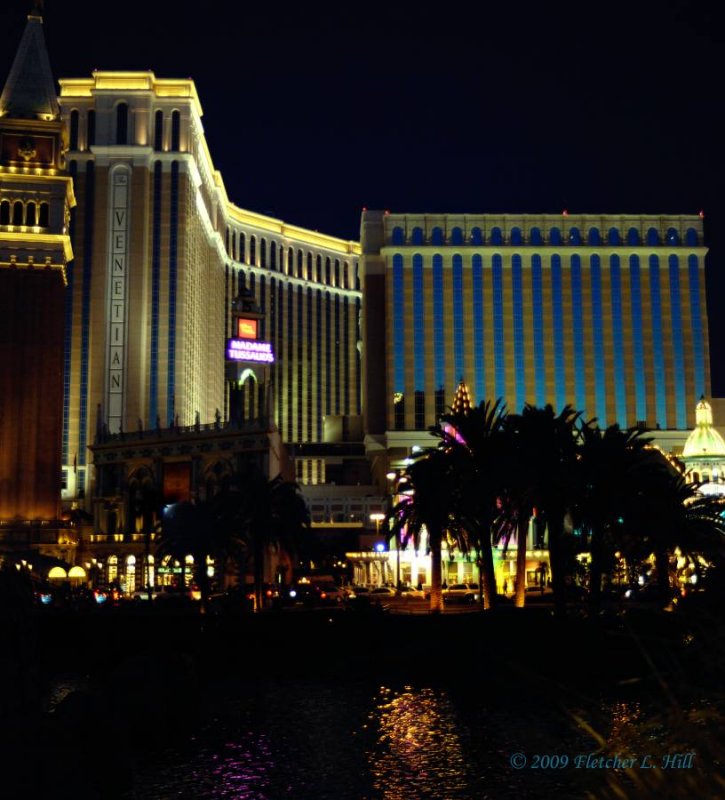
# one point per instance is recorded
(704, 441)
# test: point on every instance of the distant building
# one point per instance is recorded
(704, 452)
(604, 312)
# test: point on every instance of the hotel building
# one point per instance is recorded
(160, 253)
(604, 312)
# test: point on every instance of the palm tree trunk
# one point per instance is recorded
(487, 576)
(596, 570)
(258, 573)
(522, 529)
(558, 586)
(662, 565)
(436, 573)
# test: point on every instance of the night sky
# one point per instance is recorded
(312, 113)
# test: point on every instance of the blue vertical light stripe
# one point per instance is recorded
(538, 314)
(518, 310)
(498, 330)
(620, 389)
(439, 340)
(86, 311)
(600, 397)
(635, 293)
(698, 344)
(155, 297)
(478, 340)
(458, 345)
(418, 325)
(657, 348)
(558, 320)
(677, 346)
(398, 325)
(580, 396)
(173, 267)
(358, 361)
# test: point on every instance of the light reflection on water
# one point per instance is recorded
(354, 741)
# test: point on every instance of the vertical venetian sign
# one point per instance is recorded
(117, 298)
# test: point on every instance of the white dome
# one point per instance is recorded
(704, 441)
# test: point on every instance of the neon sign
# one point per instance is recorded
(247, 328)
(247, 350)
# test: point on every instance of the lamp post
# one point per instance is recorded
(377, 517)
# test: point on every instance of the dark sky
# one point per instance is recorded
(313, 112)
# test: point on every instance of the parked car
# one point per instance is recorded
(411, 593)
(463, 593)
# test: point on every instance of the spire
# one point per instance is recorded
(29, 92)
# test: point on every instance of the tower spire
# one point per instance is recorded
(29, 91)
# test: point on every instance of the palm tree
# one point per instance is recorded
(610, 469)
(473, 440)
(430, 506)
(539, 474)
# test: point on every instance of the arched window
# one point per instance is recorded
(242, 246)
(234, 244)
(318, 271)
(30, 214)
(652, 236)
(263, 253)
(535, 236)
(516, 236)
(456, 236)
(345, 278)
(253, 250)
(496, 236)
(673, 237)
(613, 236)
(159, 130)
(555, 236)
(633, 236)
(328, 271)
(122, 123)
(226, 242)
(594, 236)
(337, 272)
(5, 212)
(436, 236)
(691, 237)
(476, 236)
(91, 128)
(273, 255)
(300, 264)
(175, 131)
(398, 235)
(417, 236)
(73, 135)
(291, 261)
(43, 215)
(17, 213)
(575, 236)
(310, 273)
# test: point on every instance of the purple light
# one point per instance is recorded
(249, 350)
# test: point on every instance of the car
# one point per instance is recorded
(462, 593)
(382, 591)
(411, 593)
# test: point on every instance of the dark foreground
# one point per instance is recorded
(141, 704)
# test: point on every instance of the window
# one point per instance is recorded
(398, 236)
(691, 237)
(515, 235)
(159, 130)
(673, 237)
(594, 238)
(253, 250)
(122, 123)
(328, 271)
(17, 213)
(575, 236)
(175, 131)
(417, 236)
(399, 412)
(535, 236)
(613, 236)
(652, 236)
(476, 236)
(555, 236)
(436, 236)
(263, 253)
(73, 135)
(419, 411)
(242, 246)
(633, 236)
(273, 255)
(5, 212)
(30, 214)
(496, 236)
(91, 128)
(456, 236)
(43, 215)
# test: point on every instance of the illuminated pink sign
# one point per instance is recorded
(249, 350)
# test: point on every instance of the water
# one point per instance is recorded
(296, 739)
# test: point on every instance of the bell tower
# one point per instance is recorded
(36, 195)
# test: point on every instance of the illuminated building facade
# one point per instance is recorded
(36, 195)
(606, 313)
(160, 254)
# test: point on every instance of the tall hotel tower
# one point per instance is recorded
(36, 195)
(606, 313)
(160, 255)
